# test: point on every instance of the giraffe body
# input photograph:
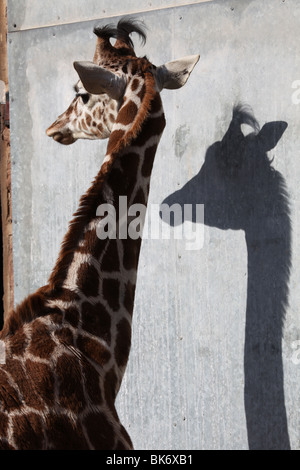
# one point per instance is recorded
(67, 345)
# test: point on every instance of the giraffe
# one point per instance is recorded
(67, 344)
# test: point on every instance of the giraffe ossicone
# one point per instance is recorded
(67, 345)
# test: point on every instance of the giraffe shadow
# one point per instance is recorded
(241, 190)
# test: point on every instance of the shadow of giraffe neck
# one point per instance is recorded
(268, 238)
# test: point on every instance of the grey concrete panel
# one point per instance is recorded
(30, 14)
(193, 338)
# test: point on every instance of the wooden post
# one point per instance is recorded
(5, 169)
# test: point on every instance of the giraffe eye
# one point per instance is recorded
(84, 96)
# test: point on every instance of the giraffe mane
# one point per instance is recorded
(31, 307)
(122, 31)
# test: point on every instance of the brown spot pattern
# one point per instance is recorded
(96, 320)
(153, 127)
(129, 296)
(28, 431)
(110, 388)
(118, 182)
(131, 253)
(100, 430)
(64, 435)
(148, 161)
(87, 280)
(3, 424)
(114, 139)
(42, 384)
(88, 120)
(135, 83)
(41, 344)
(127, 113)
(18, 343)
(65, 335)
(72, 316)
(110, 261)
(68, 372)
(139, 198)
(110, 292)
(92, 384)
(142, 92)
(123, 342)
(93, 349)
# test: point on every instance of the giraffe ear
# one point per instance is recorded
(175, 74)
(97, 80)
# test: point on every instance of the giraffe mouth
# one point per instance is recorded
(60, 137)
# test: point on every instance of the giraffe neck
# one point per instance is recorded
(109, 242)
(99, 274)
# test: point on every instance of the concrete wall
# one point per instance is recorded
(212, 324)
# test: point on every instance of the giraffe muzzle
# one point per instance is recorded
(60, 137)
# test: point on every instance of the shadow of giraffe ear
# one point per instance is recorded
(270, 134)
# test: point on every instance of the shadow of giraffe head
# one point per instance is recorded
(237, 182)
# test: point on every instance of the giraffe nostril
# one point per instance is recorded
(51, 131)
(57, 136)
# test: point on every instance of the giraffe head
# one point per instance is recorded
(88, 117)
(102, 84)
